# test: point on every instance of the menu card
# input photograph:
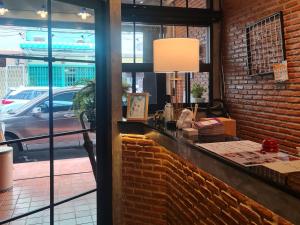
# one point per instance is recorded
(247, 153)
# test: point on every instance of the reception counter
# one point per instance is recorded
(168, 179)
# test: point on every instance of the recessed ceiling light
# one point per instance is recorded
(84, 14)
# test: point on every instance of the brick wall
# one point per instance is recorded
(160, 188)
(261, 107)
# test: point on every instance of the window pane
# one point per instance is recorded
(145, 34)
(64, 74)
(78, 40)
(175, 31)
(202, 4)
(19, 90)
(146, 82)
(147, 2)
(201, 33)
(18, 40)
(127, 1)
(127, 86)
(14, 36)
(203, 80)
(127, 43)
(175, 3)
(176, 87)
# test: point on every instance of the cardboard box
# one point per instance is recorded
(230, 126)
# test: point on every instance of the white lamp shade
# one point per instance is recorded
(176, 55)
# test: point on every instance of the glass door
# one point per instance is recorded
(74, 79)
(48, 58)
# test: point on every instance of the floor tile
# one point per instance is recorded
(33, 193)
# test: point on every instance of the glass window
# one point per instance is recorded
(145, 34)
(146, 82)
(176, 87)
(127, 86)
(202, 4)
(66, 97)
(175, 31)
(38, 93)
(23, 41)
(147, 2)
(23, 95)
(61, 102)
(175, 3)
(203, 80)
(201, 33)
(127, 43)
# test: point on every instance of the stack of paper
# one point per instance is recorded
(210, 127)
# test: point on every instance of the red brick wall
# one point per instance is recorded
(262, 108)
(160, 188)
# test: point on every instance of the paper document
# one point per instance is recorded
(247, 153)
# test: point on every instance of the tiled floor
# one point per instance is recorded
(31, 191)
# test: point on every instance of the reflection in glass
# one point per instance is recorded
(145, 34)
(18, 40)
(78, 40)
(202, 4)
(147, 2)
(174, 3)
(25, 9)
(180, 87)
(175, 31)
(127, 43)
(201, 33)
(146, 82)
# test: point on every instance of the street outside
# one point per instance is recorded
(43, 154)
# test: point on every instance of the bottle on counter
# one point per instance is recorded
(168, 112)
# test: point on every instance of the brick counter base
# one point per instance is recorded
(161, 188)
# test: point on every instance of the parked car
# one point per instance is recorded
(32, 120)
(18, 97)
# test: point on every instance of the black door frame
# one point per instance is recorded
(104, 208)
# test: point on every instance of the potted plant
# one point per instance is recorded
(197, 92)
(85, 102)
(85, 107)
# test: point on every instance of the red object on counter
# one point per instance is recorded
(270, 145)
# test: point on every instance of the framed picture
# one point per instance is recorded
(137, 106)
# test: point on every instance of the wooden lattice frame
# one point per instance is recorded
(265, 44)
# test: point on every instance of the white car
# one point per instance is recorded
(19, 97)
